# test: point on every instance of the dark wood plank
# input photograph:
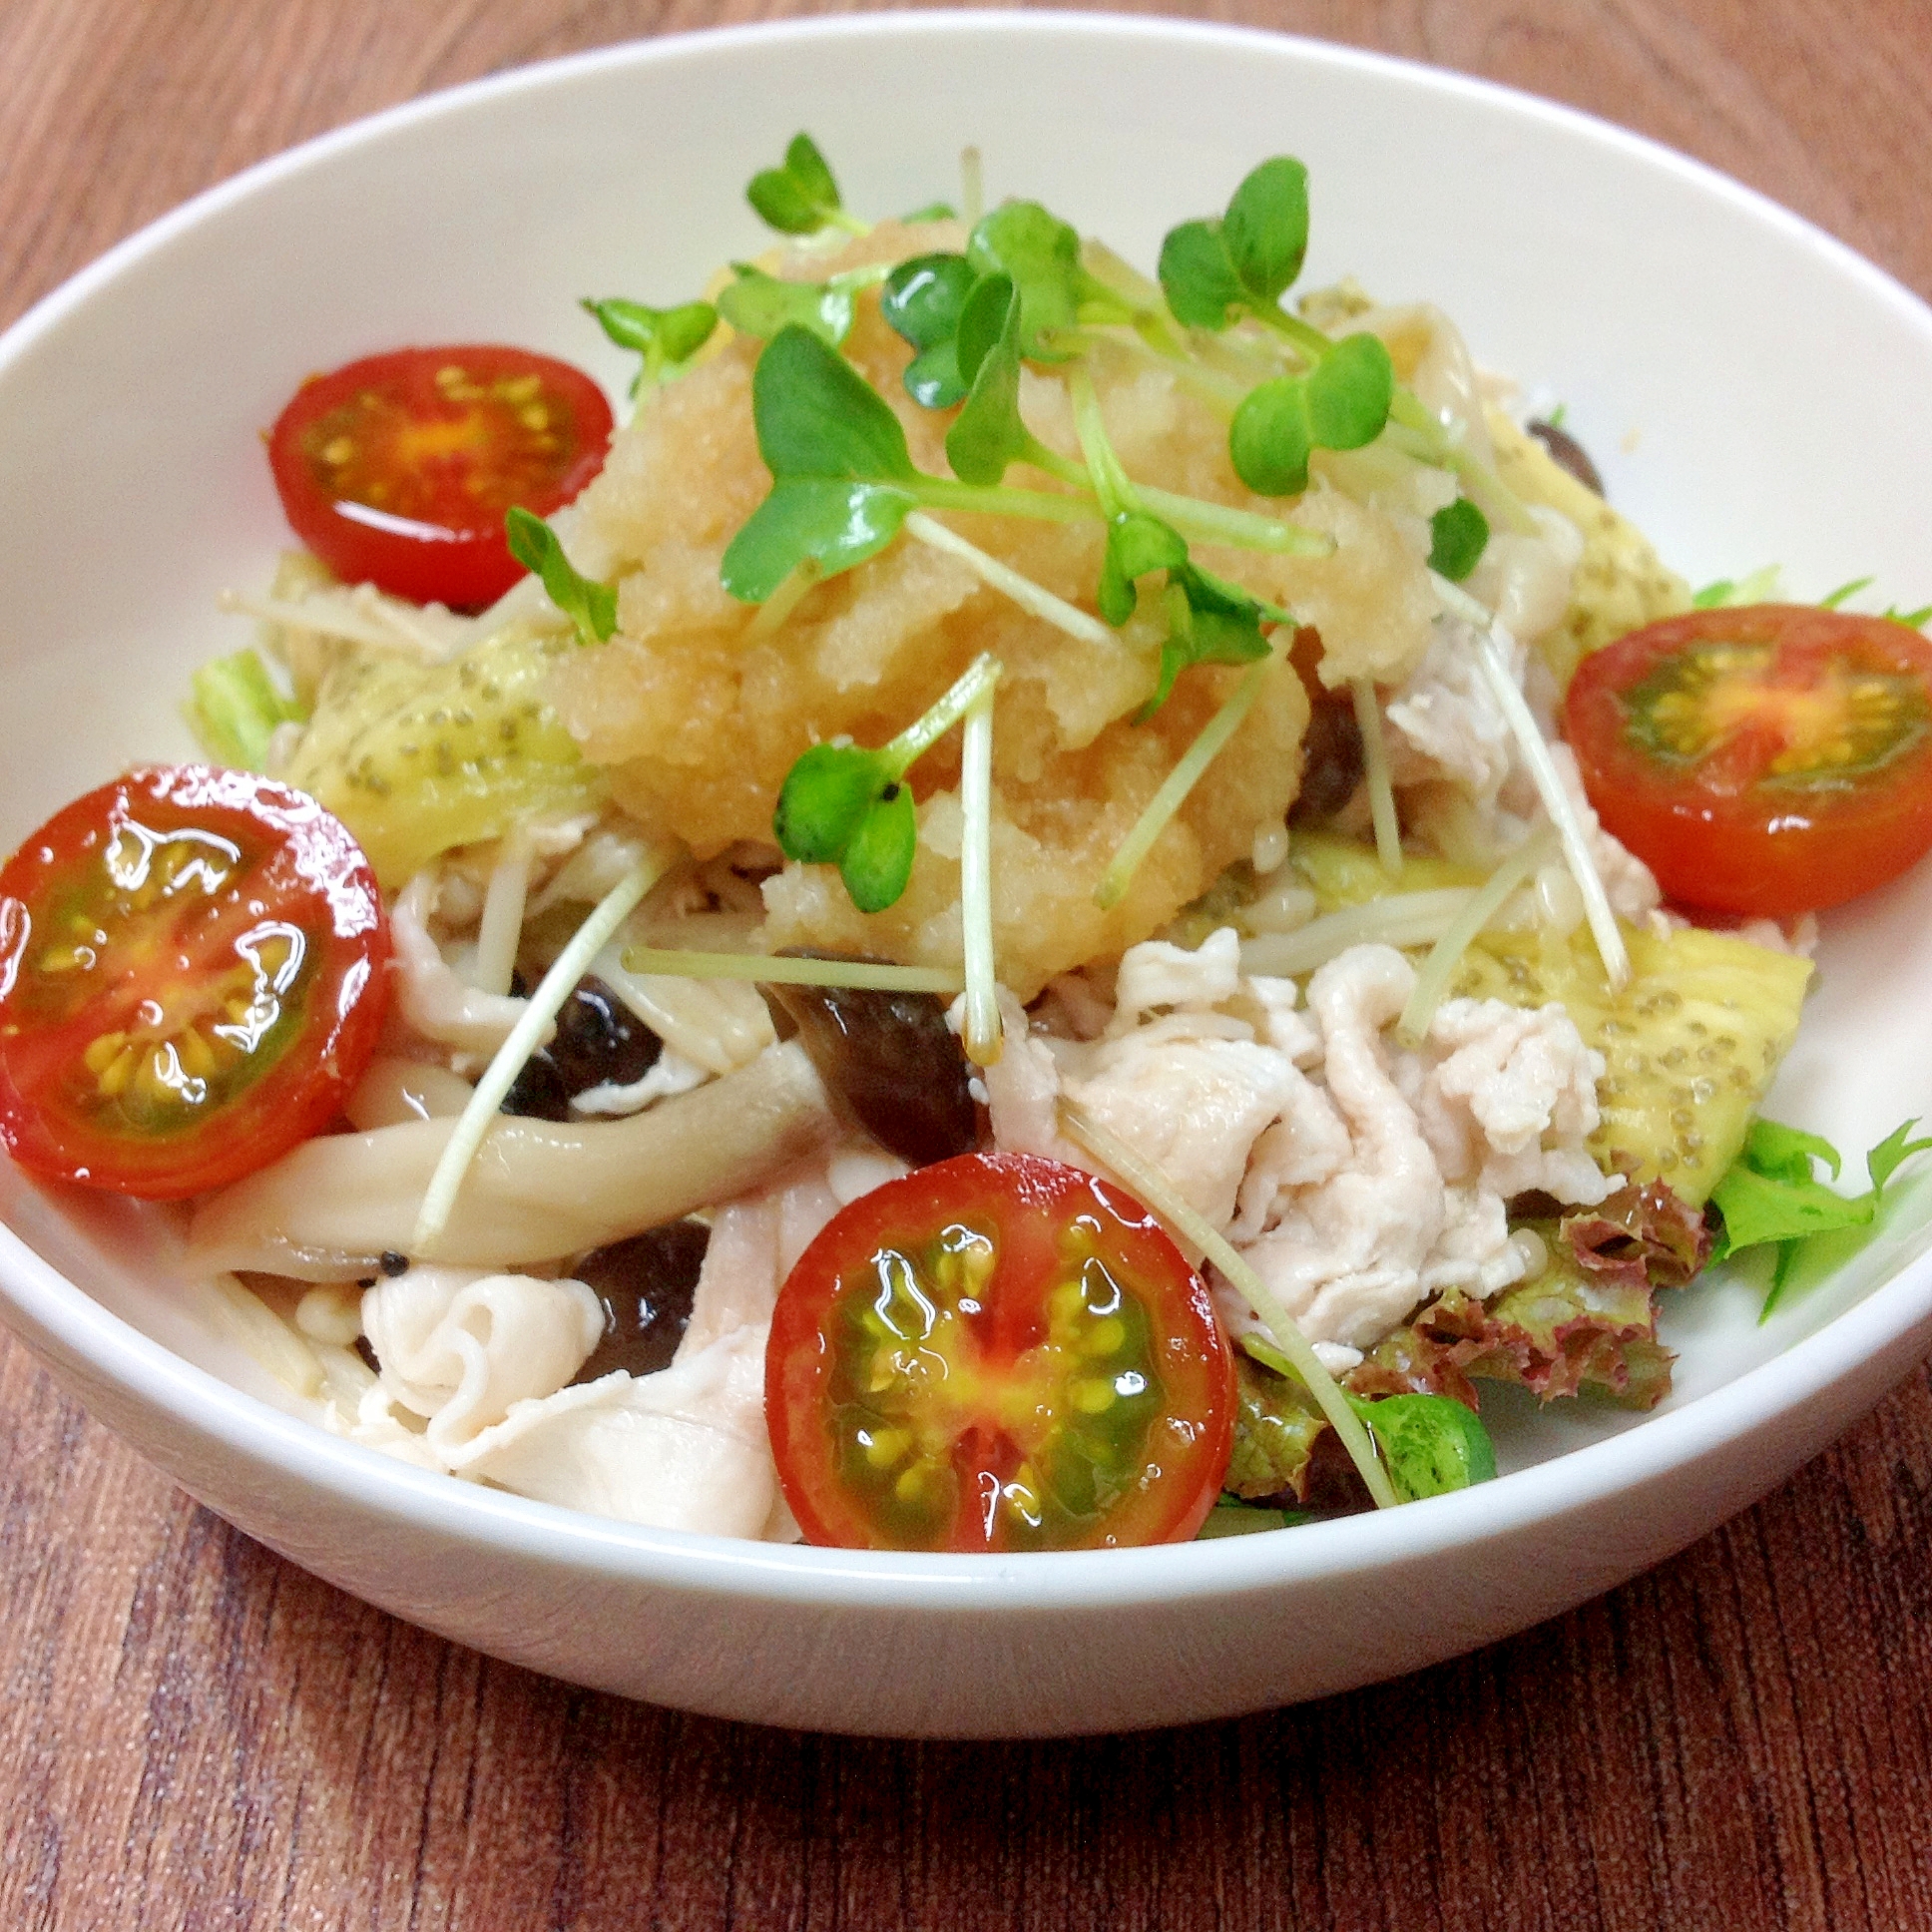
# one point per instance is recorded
(196, 1734)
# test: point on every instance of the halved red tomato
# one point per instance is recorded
(397, 470)
(191, 977)
(1766, 759)
(997, 1352)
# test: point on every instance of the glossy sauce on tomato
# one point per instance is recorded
(192, 974)
(397, 470)
(1764, 759)
(997, 1352)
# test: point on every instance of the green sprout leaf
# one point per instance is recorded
(825, 799)
(1771, 1197)
(817, 416)
(234, 707)
(1341, 403)
(1266, 230)
(1213, 272)
(1272, 439)
(878, 861)
(1136, 543)
(1432, 1444)
(760, 304)
(1197, 277)
(844, 805)
(589, 605)
(1349, 392)
(989, 435)
(922, 300)
(932, 212)
(1209, 621)
(835, 522)
(1759, 588)
(1247, 259)
(1041, 254)
(1832, 599)
(1458, 536)
(838, 462)
(802, 197)
(666, 338)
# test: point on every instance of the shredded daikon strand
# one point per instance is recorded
(1375, 768)
(1432, 978)
(1174, 790)
(1502, 688)
(1159, 1192)
(1033, 597)
(1402, 920)
(982, 1028)
(332, 620)
(525, 1036)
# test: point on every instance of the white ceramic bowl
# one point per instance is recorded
(1752, 392)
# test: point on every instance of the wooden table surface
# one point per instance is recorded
(195, 1732)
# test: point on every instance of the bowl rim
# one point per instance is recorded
(58, 1311)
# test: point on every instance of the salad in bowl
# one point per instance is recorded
(1052, 907)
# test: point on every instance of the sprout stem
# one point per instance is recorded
(1206, 522)
(781, 969)
(1112, 484)
(1159, 1194)
(473, 1124)
(1432, 978)
(982, 1028)
(1542, 772)
(1031, 596)
(1375, 768)
(1417, 433)
(972, 186)
(994, 500)
(1174, 789)
(899, 753)
(797, 584)
(1314, 343)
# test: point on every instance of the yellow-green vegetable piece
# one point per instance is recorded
(418, 757)
(1343, 873)
(1621, 584)
(1690, 1044)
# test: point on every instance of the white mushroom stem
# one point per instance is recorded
(535, 1191)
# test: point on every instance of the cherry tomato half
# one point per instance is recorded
(1764, 759)
(191, 977)
(997, 1352)
(397, 470)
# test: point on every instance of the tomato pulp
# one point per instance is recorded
(192, 974)
(397, 470)
(1764, 759)
(997, 1352)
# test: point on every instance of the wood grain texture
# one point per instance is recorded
(194, 1733)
